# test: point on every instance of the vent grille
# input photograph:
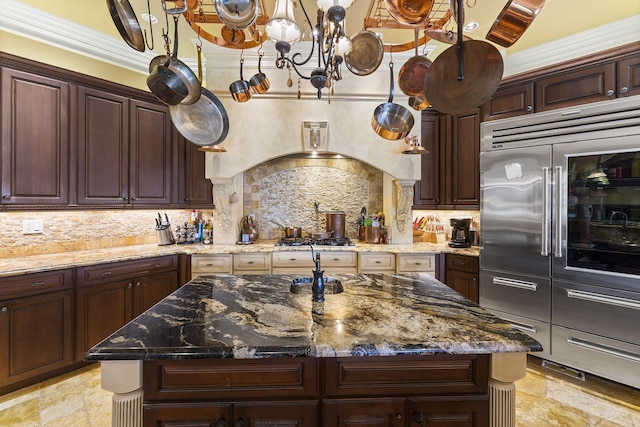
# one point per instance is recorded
(564, 125)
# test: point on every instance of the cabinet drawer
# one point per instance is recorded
(203, 264)
(522, 295)
(36, 283)
(230, 379)
(406, 375)
(119, 270)
(408, 263)
(465, 263)
(252, 263)
(303, 259)
(376, 262)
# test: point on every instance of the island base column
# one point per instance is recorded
(506, 368)
(124, 379)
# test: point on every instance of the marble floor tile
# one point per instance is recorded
(544, 398)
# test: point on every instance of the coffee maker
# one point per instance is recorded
(460, 232)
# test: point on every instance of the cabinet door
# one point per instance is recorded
(509, 101)
(466, 284)
(35, 139)
(148, 290)
(210, 414)
(196, 190)
(629, 76)
(100, 311)
(276, 414)
(383, 412)
(465, 167)
(463, 411)
(590, 84)
(103, 144)
(150, 154)
(426, 193)
(35, 335)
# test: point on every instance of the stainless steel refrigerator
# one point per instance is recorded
(560, 226)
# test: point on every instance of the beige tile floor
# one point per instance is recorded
(544, 399)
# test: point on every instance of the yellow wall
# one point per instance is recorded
(30, 49)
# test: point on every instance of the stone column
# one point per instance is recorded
(124, 379)
(403, 230)
(505, 369)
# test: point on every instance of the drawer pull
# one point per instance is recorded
(378, 262)
(293, 259)
(336, 259)
(37, 284)
(515, 284)
(157, 265)
(106, 273)
(603, 349)
(526, 328)
(249, 262)
(604, 299)
(209, 265)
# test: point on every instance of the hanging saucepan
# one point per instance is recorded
(240, 89)
(126, 22)
(464, 76)
(237, 14)
(419, 102)
(392, 121)
(513, 20)
(172, 81)
(259, 82)
(412, 72)
(204, 122)
(409, 12)
(366, 53)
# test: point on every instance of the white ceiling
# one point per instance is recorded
(557, 19)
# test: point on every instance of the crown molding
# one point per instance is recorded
(588, 42)
(35, 24)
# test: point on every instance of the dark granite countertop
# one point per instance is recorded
(226, 316)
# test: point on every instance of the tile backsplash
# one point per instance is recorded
(81, 230)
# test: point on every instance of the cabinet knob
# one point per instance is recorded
(3, 309)
(133, 198)
(6, 197)
(130, 285)
(610, 92)
(125, 198)
(137, 283)
(221, 423)
(238, 423)
(624, 89)
(529, 108)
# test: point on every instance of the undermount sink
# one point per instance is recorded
(303, 284)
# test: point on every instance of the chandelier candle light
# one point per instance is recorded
(328, 35)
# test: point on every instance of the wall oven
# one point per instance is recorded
(560, 219)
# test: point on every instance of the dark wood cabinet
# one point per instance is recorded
(36, 332)
(629, 76)
(386, 391)
(462, 275)
(103, 147)
(589, 84)
(35, 139)
(110, 295)
(124, 150)
(450, 177)
(195, 190)
(509, 101)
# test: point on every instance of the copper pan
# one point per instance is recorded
(366, 53)
(412, 72)
(409, 12)
(513, 20)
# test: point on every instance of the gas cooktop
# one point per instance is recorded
(301, 241)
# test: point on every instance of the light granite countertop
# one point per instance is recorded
(47, 262)
(241, 317)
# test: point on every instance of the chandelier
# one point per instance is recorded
(328, 38)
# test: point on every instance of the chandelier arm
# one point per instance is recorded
(282, 61)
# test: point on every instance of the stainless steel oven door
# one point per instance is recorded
(597, 212)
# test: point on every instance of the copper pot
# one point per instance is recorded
(336, 224)
(290, 232)
(514, 19)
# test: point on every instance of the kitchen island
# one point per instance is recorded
(402, 349)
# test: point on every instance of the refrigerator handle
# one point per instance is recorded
(557, 252)
(546, 213)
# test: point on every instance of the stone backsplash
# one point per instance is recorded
(66, 231)
(281, 193)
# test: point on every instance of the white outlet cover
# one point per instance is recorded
(32, 226)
